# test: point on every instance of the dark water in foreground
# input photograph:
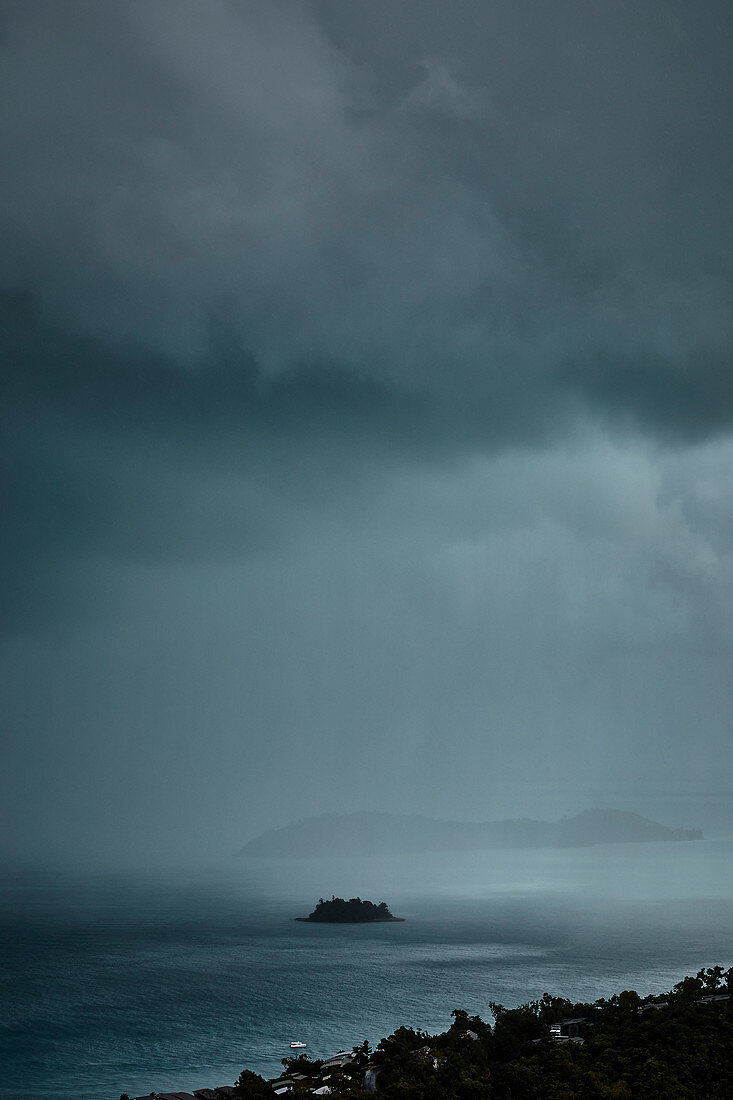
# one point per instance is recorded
(113, 984)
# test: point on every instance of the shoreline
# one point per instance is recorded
(375, 920)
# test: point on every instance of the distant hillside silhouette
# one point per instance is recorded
(366, 834)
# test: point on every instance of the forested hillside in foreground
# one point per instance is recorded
(676, 1046)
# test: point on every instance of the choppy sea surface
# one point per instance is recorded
(178, 980)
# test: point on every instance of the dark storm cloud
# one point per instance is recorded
(686, 401)
(420, 233)
(119, 453)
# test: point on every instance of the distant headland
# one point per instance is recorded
(368, 834)
(353, 911)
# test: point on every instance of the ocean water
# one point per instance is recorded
(178, 980)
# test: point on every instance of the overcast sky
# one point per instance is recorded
(368, 412)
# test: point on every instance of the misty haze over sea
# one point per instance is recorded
(365, 376)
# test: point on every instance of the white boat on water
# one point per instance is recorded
(297, 1046)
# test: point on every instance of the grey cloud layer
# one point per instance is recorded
(451, 203)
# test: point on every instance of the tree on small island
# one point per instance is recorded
(353, 911)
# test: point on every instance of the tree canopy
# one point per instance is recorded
(353, 911)
(676, 1046)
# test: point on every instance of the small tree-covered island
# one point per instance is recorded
(353, 911)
